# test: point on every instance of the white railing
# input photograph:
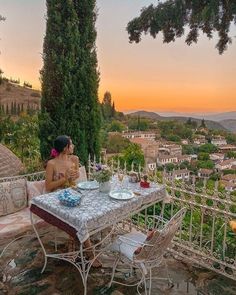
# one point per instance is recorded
(30, 177)
(205, 238)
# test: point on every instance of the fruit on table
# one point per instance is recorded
(232, 224)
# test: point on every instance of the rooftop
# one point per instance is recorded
(229, 177)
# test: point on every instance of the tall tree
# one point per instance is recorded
(1, 72)
(171, 17)
(107, 106)
(69, 77)
(87, 78)
(203, 124)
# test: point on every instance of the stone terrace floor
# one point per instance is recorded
(23, 261)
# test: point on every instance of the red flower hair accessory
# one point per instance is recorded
(54, 153)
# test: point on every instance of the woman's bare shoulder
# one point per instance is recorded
(74, 158)
(51, 163)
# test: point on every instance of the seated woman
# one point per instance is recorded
(62, 171)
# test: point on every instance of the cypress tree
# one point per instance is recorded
(86, 79)
(69, 102)
(18, 109)
(12, 108)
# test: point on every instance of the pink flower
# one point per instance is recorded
(54, 153)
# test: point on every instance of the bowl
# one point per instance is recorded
(69, 198)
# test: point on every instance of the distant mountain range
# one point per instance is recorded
(208, 116)
(229, 125)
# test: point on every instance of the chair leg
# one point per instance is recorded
(168, 275)
(150, 281)
(113, 271)
(142, 282)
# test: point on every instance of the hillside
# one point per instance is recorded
(229, 124)
(154, 116)
(222, 116)
(207, 116)
(145, 114)
(19, 95)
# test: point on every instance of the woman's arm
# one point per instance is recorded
(51, 184)
(75, 174)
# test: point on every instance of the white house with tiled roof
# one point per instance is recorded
(162, 160)
(217, 157)
(139, 134)
(180, 174)
(171, 149)
(218, 141)
(226, 164)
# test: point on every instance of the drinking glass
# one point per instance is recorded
(121, 177)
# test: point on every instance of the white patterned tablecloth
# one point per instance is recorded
(96, 209)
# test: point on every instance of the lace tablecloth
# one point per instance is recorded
(98, 210)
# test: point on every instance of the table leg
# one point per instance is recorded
(69, 257)
(40, 242)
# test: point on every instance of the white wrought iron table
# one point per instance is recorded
(97, 211)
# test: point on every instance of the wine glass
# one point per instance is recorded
(120, 177)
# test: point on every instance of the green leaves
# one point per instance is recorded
(171, 17)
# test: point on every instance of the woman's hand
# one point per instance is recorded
(72, 174)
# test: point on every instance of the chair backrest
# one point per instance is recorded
(161, 240)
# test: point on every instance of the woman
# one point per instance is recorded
(62, 171)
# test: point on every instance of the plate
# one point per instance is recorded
(121, 194)
(89, 185)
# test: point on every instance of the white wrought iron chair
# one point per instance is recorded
(151, 251)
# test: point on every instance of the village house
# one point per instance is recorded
(229, 182)
(184, 158)
(230, 187)
(139, 134)
(227, 148)
(205, 173)
(151, 151)
(181, 174)
(229, 177)
(162, 160)
(151, 163)
(171, 149)
(226, 164)
(149, 147)
(218, 141)
(200, 140)
(217, 157)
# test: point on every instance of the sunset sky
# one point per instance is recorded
(149, 75)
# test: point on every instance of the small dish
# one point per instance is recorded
(69, 198)
(88, 185)
(121, 194)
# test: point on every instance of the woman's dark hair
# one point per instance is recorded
(61, 142)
